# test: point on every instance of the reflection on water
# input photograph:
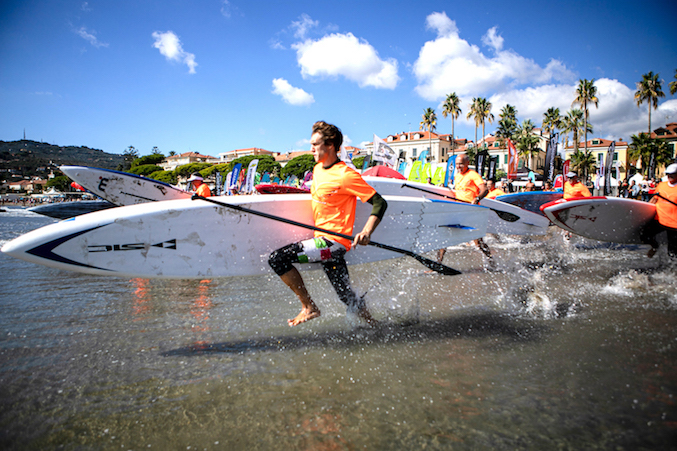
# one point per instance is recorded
(567, 345)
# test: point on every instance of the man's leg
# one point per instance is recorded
(281, 261)
(293, 280)
(337, 272)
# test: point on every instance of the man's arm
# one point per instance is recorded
(482, 194)
(379, 208)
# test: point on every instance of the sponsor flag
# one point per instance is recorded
(219, 179)
(566, 166)
(652, 166)
(424, 155)
(367, 160)
(251, 176)
(347, 159)
(226, 185)
(607, 168)
(402, 168)
(550, 154)
(451, 168)
(512, 160)
(491, 172)
(383, 152)
(415, 173)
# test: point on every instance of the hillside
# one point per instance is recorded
(29, 158)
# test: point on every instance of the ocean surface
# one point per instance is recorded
(566, 345)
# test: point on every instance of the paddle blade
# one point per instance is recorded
(436, 266)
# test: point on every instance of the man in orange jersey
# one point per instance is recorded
(575, 188)
(494, 190)
(665, 199)
(334, 192)
(468, 187)
(201, 188)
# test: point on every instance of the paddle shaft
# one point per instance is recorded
(505, 215)
(665, 198)
(435, 266)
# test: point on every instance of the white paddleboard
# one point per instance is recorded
(531, 200)
(504, 218)
(614, 219)
(122, 188)
(197, 239)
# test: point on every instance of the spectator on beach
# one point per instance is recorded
(494, 190)
(530, 186)
(547, 185)
(575, 188)
(665, 199)
(633, 190)
(201, 188)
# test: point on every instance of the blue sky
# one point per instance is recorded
(212, 76)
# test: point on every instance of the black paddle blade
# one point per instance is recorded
(436, 266)
(506, 216)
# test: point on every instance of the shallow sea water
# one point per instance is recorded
(567, 345)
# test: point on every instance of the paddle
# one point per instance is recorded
(435, 266)
(665, 198)
(504, 215)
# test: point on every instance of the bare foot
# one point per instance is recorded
(305, 315)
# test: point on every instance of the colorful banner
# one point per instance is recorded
(415, 173)
(608, 164)
(251, 176)
(512, 161)
(451, 168)
(550, 154)
(219, 180)
(226, 185)
(424, 156)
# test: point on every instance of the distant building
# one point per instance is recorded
(669, 135)
(171, 163)
(284, 158)
(227, 157)
(598, 147)
(27, 186)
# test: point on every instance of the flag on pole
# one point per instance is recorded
(550, 154)
(346, 158)
(451, 168)
(512, 160)
(607, 168)
(251, 176)
(383, 152)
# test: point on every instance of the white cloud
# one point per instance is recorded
(617, 115)
(90, 37)
(345, 55)
(290, 94)
(493, 40)
(170, 46)
(451, 64)
(226, 9)
(303, 25)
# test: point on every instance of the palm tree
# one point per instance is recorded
(574, 123)
(474, 113)
(484, 111)
(527, 142)
(552, 120)
(586, 93)
(673, 85)
(507, 129)
(643, 146)
(583, 162)
(649, 89)
(429, 122)
(508, 112)
(452, 108)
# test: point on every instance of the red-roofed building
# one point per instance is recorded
(227, 157)
(171, 163)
